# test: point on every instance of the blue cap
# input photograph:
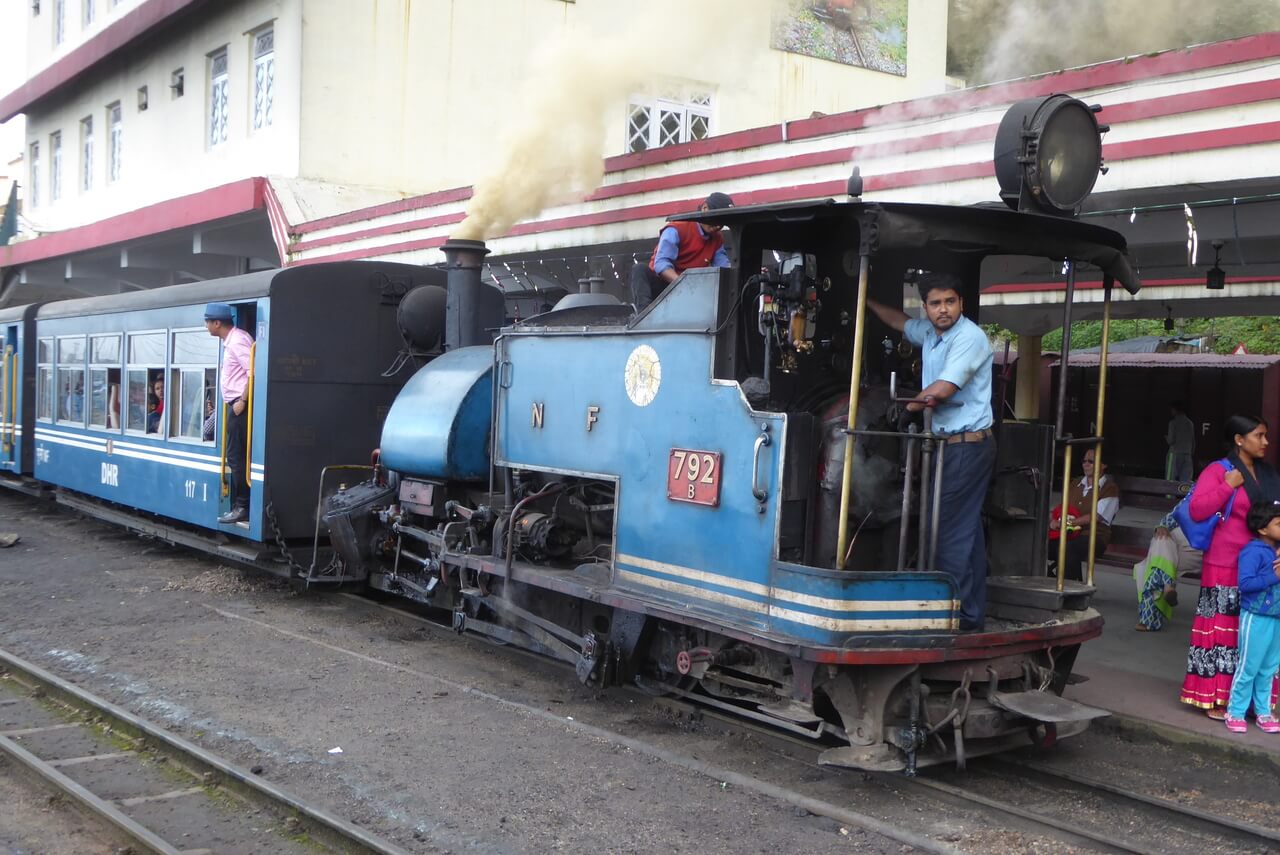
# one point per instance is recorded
(218, 312)
(719, 201)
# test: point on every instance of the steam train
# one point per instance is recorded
(713, 497)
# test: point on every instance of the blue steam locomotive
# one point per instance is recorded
(715, 497)
(710, 497)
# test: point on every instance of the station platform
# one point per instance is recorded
(1137, 675)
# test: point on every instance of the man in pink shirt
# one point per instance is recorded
(234, 380)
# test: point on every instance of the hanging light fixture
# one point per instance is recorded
(1216, 278)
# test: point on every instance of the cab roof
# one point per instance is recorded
(966, 234)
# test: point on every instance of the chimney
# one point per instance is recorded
(464, 312)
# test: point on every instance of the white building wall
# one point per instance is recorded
(400, 97)
(439, 81)
(166, 151)
(42, 46)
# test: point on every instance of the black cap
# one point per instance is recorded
(718, 201)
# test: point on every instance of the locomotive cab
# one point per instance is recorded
(785, 328)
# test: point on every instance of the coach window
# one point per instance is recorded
(44, 380)
(144, 367)
(191, 382)
(71, 380)
(104, 381)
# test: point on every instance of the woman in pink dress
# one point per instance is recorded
(1211, 662)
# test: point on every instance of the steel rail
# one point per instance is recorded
(1031, 820)
(954, 796)
(687, 761)
(1210, 822)
(136, 834)
(808, 744)
(321, 826)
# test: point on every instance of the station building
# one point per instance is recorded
(196, 139)
(171, 140)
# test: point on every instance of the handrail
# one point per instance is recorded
(1060, 419)
(930, 488)
(855, 384)
(1062, 518)
(248, 428)
(1102, 404)
(222, 471)
(9, 415)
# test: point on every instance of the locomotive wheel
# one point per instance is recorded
(1043, 735)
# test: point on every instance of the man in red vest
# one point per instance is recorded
(682, 245)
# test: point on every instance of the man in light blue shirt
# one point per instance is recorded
(957, 384)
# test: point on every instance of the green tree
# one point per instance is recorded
(997, 39)
(1259, 335)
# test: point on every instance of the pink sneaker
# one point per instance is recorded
(1236, 725)
(1268, 724)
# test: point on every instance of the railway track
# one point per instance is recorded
(236, 790)
(150, 788)
(1046, 799)
(1189, 823)
(1043, 806)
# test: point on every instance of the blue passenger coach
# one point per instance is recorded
(125, 386)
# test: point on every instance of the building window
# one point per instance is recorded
(55, 166)
(71, 380)
(115, 150)
(59, 21)
(86, 153)
(264, 78)
(34, 189)
(193, 380)
(218, 94)
(657, 122)
(143, 98)
(90, 12)
(35, 8)
(177, 83)
(104, 381)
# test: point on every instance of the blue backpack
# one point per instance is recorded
(1199, 533)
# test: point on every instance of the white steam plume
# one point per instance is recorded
(554, 149)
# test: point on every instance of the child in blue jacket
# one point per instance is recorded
(1259, 637)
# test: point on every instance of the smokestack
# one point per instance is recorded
(464, 312)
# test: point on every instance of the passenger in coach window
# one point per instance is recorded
(210, 421)
(237, 346)
(957, 384)
(682, 246)
(113, 405)
(156, 405)
(73, 407)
